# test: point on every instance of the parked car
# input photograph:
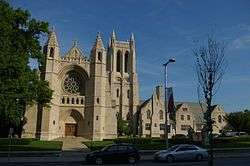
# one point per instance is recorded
(235, 134)
(181, 152)
(179, 136)
(114, 153)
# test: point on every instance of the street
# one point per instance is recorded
(217, 162)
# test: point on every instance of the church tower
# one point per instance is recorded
(123, 78)
(96, 91)
(49, 115)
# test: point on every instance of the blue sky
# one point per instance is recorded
(163, 29)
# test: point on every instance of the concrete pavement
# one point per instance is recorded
(217, 162)
(79, 156)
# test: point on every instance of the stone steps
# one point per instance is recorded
(73, 143)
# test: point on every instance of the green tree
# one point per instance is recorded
(239, 121)
(19, 84)
(123, 127)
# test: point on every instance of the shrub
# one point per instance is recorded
(133, 140)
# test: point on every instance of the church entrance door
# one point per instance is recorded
(70, 129)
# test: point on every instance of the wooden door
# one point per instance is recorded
(70, 129)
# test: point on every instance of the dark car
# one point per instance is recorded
(114, 153)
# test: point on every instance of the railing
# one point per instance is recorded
(73, 100)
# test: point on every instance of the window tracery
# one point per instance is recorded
(73, 83)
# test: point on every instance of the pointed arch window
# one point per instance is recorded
(63, 100)
(148, 114)
(77, 101)
(118, 61)
(99, 56)
(51, 52)
(117, 93)
(161, 114)
(126, 62)
(72, 101)
(219, 119)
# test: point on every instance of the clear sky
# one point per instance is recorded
(163, 29)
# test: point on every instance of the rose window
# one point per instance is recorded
(72, 83)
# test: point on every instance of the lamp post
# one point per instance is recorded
(165, 98)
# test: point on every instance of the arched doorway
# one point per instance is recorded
(72, 123)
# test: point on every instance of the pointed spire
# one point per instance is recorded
(132, 38)
(113, 35)
(98, 42)
(52, 39)
(53, 29)
(99, 35)
(109, 43)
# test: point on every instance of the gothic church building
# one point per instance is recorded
(88, 93)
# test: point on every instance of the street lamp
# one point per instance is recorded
(165, 98)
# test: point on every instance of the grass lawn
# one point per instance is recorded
(29, 145)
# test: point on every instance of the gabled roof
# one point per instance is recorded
(143, 103)
(75, 54)
(196, 109)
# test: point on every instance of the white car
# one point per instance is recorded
(181, 152)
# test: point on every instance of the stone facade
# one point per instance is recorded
(87, 92)
(187, 114)
(152, 116)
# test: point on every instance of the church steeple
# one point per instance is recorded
(113, 38)
(98, 42)
(98, 53)
(51, 49)
(52, 39)
(132, 38)
(113, 35)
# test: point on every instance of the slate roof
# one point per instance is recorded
(195, 109)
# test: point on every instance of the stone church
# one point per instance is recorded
(88, 92)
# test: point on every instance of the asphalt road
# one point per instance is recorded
(217, 162)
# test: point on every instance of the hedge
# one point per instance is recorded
(133, 140)
(157, 143)
(17, 141)
(29, 144)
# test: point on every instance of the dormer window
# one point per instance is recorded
(184, 109)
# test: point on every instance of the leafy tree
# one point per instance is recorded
(19, 84)
(123, 127)
(210, 67)
(239, 121)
